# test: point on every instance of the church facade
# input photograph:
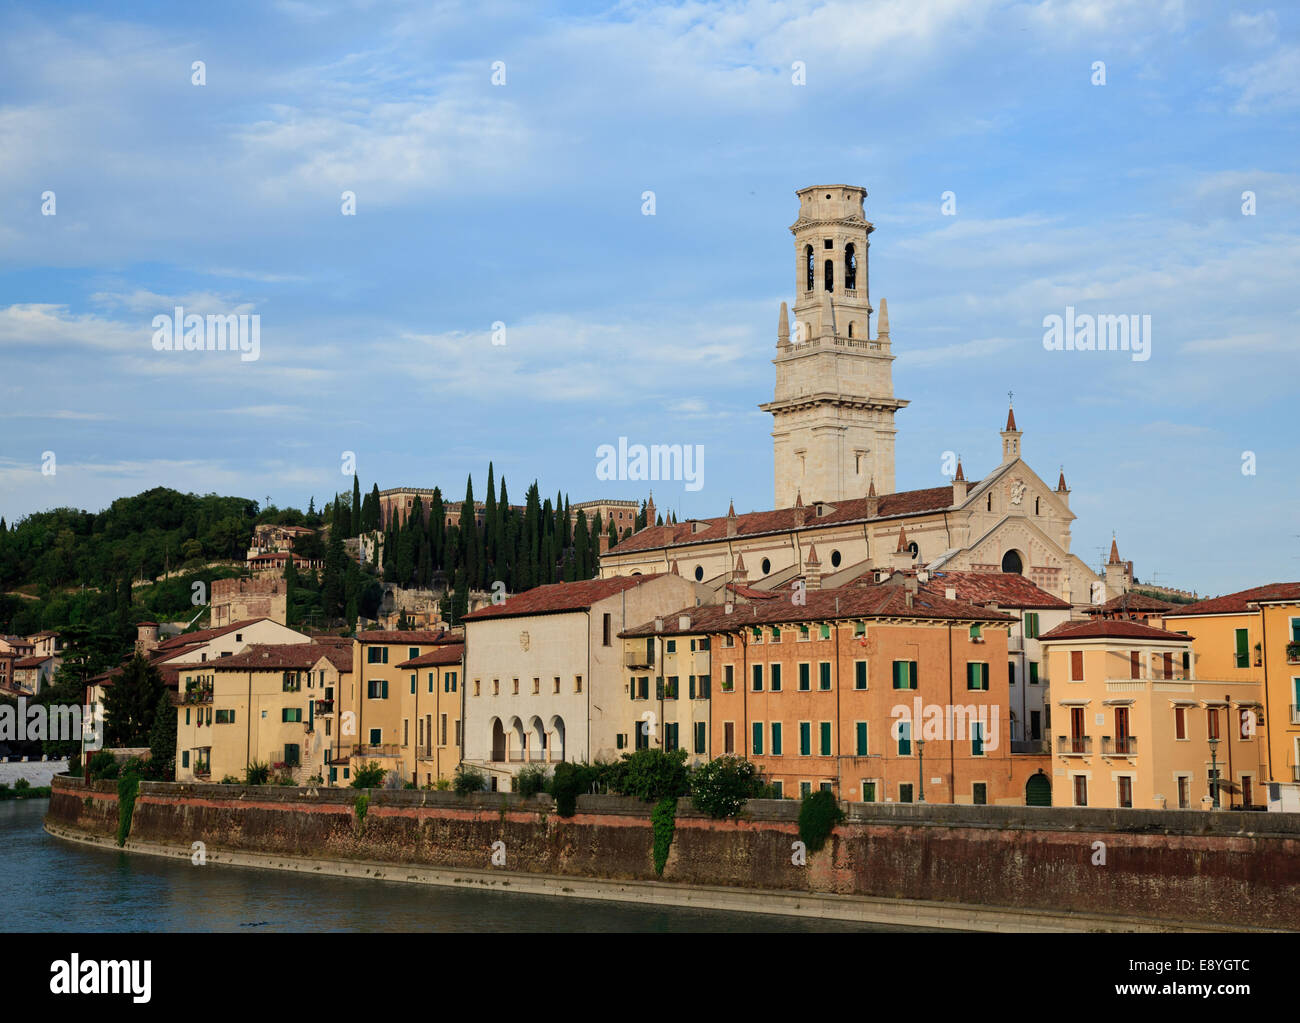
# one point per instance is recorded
(837, 517)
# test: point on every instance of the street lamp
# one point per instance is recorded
(1214, 773)
(920, 755)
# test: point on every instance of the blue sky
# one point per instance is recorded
(522, 204)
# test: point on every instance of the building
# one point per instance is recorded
(1139, 725)
(234, 600)
(833, 456)
(269, 704)
(621, 513)
(272, 539)
(12, 650)
(668, 685)
(544, 670)
(432, 699)
(1254, 636)
(1131, 606)
(34, 673)
(379, 724)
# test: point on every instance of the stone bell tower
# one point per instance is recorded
(833, 411)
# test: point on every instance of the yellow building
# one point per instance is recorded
(376, 723)
(432, 700)
(269, 704)
(1136, 724)
(1255, 635)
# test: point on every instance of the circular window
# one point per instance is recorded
(835, 558)
(1011, 563)
(699, 572)
(767, 566)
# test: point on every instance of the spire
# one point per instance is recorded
(783, 328)
(731, 510)
(676, 570)
(871, 490)
(812, 566)
(960, 477)
(902, 541)
(740, 565)
(731, 519)
(882, 324)
(1061, 488)
(828, 315)
(1114, 551)
(812, 558)
(1011, 419)
(798, 499)
(1010, 436)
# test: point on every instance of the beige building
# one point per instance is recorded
(431, 714)
(545, 670)
(271, 704)
(236, 600)
(1135, 725)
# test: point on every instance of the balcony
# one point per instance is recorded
(1293, 653)
(389, 749)
(324, 706)
(1120, 746)
(1029, 746)
(1074, 745)
(639, 658)
(1295, 772)
(203, 770)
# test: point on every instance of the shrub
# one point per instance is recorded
(230, 779)
(468, 779)
(368, 776)
(721, 787)
(285, 779)
(127, 787)
(443, 785)
(361, 804)
(103, 765)
(817, 818)
(607, 776)
(652, 775)
(663, 821)
(531, 780)
(22, 783)
(567, 784)
(410, 785)
(257, 773)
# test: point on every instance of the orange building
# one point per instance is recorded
(877, 693)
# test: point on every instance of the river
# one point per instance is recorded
(53, 885)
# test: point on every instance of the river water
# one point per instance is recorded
(54, 885)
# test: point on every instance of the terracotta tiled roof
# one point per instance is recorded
(1006, 589)
(749, 593)
(204, 635)
(840, 603)
(449, 654)
(1111, 629)
(35, 661)
(1238, 602)
(406, 636)
(273, 656)
(558, 597)
(906, 503)
(1011, 420)
(1136, 602)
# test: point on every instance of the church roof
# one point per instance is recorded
(1011, 420)
(902, 504)
(1006, 589)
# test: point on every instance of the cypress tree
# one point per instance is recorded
(356, 507)
(581, 548)
(490, 525)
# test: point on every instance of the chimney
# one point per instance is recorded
(741, 573)
(908, 598)
(950, 593)
(659, 625)
(959, 486)
(684, 623)
(603, 542)
(813, 569)
(901, 559)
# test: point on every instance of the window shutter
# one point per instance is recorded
(385, 687)
(862, 738)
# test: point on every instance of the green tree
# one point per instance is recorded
(355, 524)
(131, 702)
(162, 740)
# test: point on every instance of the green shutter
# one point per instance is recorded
(805, 738)
(1033, 673)
(804, 682)
(776, 738)
(860, 675)
(911, 670)
(1243, 650)
(826, 738)
(862, 738)
(758, 738)
(824, 671)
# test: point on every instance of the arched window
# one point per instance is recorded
(850, 267)
(1011, 563)
(990, 502)
(850, 322)
(830, 275)
(808, 261)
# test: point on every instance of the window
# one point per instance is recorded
(620, 741)
(442, 731)
(824, 675)
(1080, 790)
(704, 689)
(516, 688)
(377, 689)
(979, 793)
(1033, 673)
(868, 791)
(1031, 625)
(1184, 792)
(803, 633)
(758, 634)
(977, 633)
(640, 687)
(704, 643)
(776, 738)
(376, 736)
(670, 736)
(701, 738)
(606, 629)
(1243, 648)
(774, 670)
(537, 685)
(496, 687)
(805, 738)
(904, 730)
(457, 731)
(859, 629)
(670, 689)
(1212, 722)
(804, 678)
(826, 632)
(758, 678)
(377, 655)
(729, 640)
(860, 728)
(778, 790)
(828, 275)
(1180, 722)
(976, 739)
(451, 678)
(641, 737)
(859, 674)
(477, 686)
(776, 635)
(809, 263)
(671, 644)
(826, 738)
(758, 738)
(413, 683)
(905, 674)
(728, 678)
(850, 268)
(1076, 665)
(977, 675)
(430, 681)
(187, 715)
(577, 683)
(1134, 664)
(905, 792)
(805, 789)
(1125, 790)
(728, 737)
(185, 758)
(226, 717)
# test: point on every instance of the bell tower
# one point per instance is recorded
(833, 410)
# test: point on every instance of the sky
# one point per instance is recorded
(520, 202)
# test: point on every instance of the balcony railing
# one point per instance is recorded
(639, 658)
(324, 706)
(203, 770)
(390, 749)
(1295, 772)
(1295, 714)
(424, 751)
(1029, 746)
(1074, 745)
(1120, 746)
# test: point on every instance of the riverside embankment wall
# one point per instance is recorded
(1224, 868)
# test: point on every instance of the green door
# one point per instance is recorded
(1038, 791)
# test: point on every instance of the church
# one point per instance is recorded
(837, 517)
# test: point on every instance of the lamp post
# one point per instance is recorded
(1214, 772)
(920, 761)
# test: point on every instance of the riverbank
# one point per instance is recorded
(966, 867)
(37, 773)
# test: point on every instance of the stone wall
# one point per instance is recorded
(1226, 868)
